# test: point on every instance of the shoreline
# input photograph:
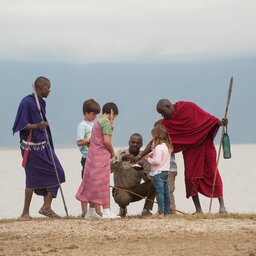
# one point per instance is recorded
(178, 215)
(215, 234)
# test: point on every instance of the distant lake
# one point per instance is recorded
(238, 175)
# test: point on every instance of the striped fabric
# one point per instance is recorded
(95, 185)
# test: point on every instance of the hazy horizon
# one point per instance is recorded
(135, 88)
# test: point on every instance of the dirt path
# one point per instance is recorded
(130, 236)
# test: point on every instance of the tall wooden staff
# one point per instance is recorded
(143, 197)
(50, 147)
(222, 134)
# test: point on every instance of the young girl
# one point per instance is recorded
(94, 188)
(160, 166)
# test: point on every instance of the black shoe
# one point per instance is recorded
(122, 212)
(146, 212)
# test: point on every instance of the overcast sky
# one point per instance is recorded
(82, 31)
(129, 51)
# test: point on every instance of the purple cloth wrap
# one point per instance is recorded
(40, 172)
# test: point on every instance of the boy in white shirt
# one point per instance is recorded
(90, 110)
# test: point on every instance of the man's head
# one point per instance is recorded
(90, 109)
(135, 143)
(165, 108)
(42, 86)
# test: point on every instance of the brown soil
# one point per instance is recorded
(129, 236)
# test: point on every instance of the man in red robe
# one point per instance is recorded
(192, 131)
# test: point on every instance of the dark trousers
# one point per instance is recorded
(83, 160)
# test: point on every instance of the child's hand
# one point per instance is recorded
(88, 139)
(112, 125)
(152, 145)
(112, 154)
(147, 157)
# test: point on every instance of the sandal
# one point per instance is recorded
(50, 214)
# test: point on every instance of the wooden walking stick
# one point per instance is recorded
(131, 192)
(50, 147)
(222, 134)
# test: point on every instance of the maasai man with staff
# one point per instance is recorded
(39, 167)
(192, 131)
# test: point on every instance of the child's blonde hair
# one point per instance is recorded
(160, 135)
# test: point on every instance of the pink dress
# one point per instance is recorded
(95, 185)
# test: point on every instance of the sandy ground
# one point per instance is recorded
(130, 236)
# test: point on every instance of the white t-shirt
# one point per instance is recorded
(84, 130)
(160, 160)
(173, 165)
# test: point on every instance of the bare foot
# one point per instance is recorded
(25, 216)
(197, 212)
(223, 210)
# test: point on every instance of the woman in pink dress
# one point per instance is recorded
(94, 188)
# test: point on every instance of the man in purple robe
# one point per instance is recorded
(41, 175)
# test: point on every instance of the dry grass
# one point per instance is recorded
(179, 234)
(250, 216)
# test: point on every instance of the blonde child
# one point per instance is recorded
(90, 110)
(160, 166)
(94, 188)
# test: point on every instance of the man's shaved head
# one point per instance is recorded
(136, 135)
(40, 81)
(165, 108)
(162, 103)
(42, 86)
